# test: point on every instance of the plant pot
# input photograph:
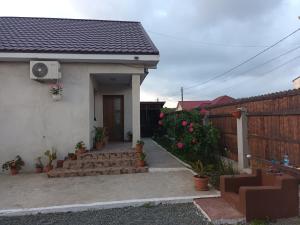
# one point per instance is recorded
(56, 97)
(141, 163)
(139, 148)
(236, 114)
(59, 163)
(201, 183)
(99, 145)
(13, 171)
(38, 170)
(48, 168)
(72, 157)
(80, 151)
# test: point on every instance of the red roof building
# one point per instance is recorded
(190, 105)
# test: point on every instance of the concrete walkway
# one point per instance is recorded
(36, 190)
(158, 157)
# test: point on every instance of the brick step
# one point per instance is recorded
(95, 163)
(107, 155)
(61, 172)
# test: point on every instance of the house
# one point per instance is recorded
(201, 105)
(101, 65)
(190, 105)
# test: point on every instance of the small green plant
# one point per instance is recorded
(100, 133)
(51, 154)
(17, 164)
(199, 168)
(140, 142)
(142, 156)
(129, 135)
(80, 145)
(38, 163)
(259, 222)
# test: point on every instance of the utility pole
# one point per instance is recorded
(181, 89)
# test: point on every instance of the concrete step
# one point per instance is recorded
(95, 163)
(61, 172)
(107, 155)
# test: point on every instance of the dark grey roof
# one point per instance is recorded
(52, 35)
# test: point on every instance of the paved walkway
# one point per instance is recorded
(36, 190)
(157, 157)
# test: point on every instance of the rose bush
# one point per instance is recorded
(191, 140)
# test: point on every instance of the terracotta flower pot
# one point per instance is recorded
(99, 145)
(139, 148)
(236, 114)
(80, 151)
(48, 168)
(38, 170)
(13, 171)
(141, 163)
(201, 183)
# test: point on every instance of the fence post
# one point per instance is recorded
(242, 139)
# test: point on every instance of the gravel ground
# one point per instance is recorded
(185, 214)
(177, 214)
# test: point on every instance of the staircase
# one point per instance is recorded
(106, 163)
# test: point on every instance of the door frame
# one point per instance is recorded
(122, 112)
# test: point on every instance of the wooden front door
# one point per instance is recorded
(113, 116)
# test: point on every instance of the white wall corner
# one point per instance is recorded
(242, 139)
(136, 127)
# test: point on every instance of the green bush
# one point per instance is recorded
(190, 139)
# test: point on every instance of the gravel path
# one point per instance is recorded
(179, 214)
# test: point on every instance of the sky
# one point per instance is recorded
(198, 40)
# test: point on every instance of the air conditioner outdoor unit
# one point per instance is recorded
(44, 70)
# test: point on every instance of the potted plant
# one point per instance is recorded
(141, 159)
(129, 136)
(51, 156)
(39, 165)
(72, 156)
(80, 148)
(201, 179)
(139, 146)
(100, 134)
(14, 165)
(56, 91)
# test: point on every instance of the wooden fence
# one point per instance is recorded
(273, 125)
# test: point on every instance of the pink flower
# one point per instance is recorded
(161, 115)
(191, 124)
(191, 129)
(183, 123)
(160, 123)
(180, 145)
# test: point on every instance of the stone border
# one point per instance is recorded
(102, 205)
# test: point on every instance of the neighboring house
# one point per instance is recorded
(201, 105)
(190, 105)
(101, 65)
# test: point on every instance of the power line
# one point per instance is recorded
(208, 43)
(270, 60)
(245, 61)
(262, 64)
(266, 73)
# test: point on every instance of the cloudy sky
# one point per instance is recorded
(198, 40)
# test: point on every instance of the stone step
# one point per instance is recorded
(95, 163)
(107, 155)
(61, 172)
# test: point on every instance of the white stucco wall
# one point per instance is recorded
(31, 122)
